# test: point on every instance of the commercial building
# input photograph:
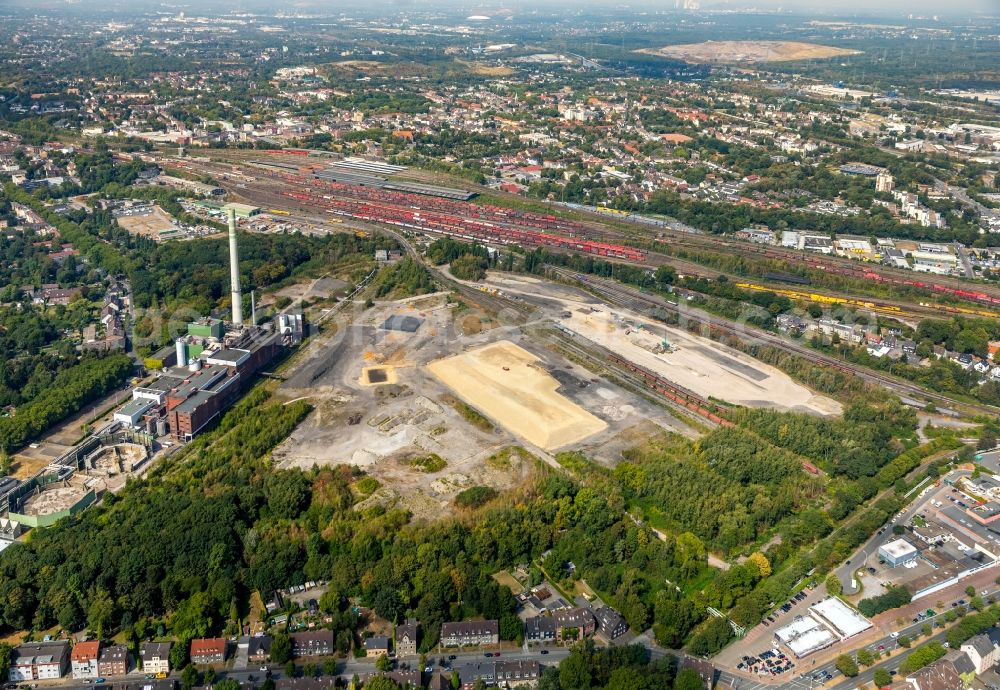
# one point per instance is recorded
(199, 399)
(898, 552)
(131, 413)
(155, 657)
(844, 621)
(51, 499)
(211, 650)
(241, 210)
(83, 659)
(38, 661)
(805, 635)
(206, 328)
(190, 185)
(470, 633)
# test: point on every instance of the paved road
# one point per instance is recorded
(345, 668)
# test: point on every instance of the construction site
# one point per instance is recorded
(413, 395)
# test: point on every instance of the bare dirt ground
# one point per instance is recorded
(748, 51)
(382, 428)
(149, 225)
(699, 364)
(507, 384)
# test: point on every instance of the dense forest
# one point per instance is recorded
(69, 391)
(185, 547)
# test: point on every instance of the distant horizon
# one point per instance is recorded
(840, 8)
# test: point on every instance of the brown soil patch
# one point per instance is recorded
(748, 51)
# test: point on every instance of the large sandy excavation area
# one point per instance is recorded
(748, 51)
(508, 384)
(702, 366)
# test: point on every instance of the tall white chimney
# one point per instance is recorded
(234, 272)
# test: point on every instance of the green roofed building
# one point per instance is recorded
(242, 210)
(206, 328)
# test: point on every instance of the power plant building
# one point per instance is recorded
(212, 365)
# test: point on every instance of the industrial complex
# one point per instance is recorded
(193, 382)
(207, 369)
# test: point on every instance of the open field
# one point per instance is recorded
(486, 70)
(149, 225)
(748, 51)
(507, 384)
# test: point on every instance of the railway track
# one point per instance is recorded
(635, 300)
(597, 237)
(617, 294)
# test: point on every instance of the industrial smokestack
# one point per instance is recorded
(234, 271)
(253, 308)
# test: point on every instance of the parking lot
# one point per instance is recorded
(772, 662)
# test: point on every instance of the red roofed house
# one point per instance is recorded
(84, 659)
(210, 650)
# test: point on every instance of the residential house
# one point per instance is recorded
(941, 675)
(404, 679)
(512, 673)
(312, 643)
(703, 668)
(83, 659)
(563, 624)
(540, 629)
(113, 661)
(982, 652)
(254, 650)
(574, 624)
(406, 639)
(304, 683)
(964, 667)
(470, 633)
(39, 661)
(376, 645)
(211, 650)
(610, 623)
(155, 657)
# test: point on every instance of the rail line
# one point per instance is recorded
(488, 223)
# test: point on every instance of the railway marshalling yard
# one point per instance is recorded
(433, 395)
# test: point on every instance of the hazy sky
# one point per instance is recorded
(951, 7)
